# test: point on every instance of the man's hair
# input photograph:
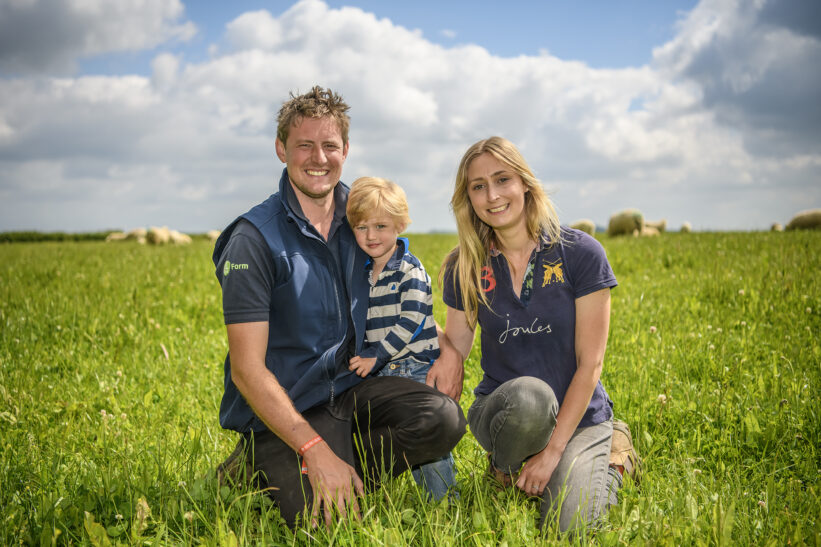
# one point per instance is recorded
(370, 196)
(317, 103)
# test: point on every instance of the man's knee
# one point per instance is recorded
(442, 422)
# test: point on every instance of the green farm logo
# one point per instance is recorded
(229, 266)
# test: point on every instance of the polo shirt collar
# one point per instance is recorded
(541, 245)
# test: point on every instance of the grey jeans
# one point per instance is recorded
(516, 421)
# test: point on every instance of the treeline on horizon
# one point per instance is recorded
(33, 236)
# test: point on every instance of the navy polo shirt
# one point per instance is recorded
(535, 335)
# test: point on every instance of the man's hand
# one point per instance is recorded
(361, 366)
(335, 484)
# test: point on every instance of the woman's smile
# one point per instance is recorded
(496, 192)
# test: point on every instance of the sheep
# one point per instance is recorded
(776, 227)
(806, 220)
(137, 233)
(660, 225)
(629, 221)
(213, 234)
(585, 225)
(179, 238)
(686, 227)
(158, 236)
(115, 236)
(650, 231)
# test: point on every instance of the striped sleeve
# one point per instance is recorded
(398, 313)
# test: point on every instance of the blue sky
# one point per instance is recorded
(602, 34)
(160, 112)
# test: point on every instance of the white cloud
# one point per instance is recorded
(756, 67)
(38, 36)
(191, 146)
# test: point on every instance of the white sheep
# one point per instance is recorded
(649, 231)
(137, 233)
(178, 238)
(213, 234)
(806, 220)
(776, 227)
(629, 221)
(158, 236)
(585, 225)
(686, 227)
(660, 225)
(115, 236)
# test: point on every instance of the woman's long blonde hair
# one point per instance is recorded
(466, 261)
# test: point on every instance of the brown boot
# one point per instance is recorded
(623, 455)
(236, 470)
(505, 480)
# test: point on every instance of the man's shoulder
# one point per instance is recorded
(265, 212)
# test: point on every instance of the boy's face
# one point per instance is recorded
(376, 235)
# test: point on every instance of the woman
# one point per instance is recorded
(541, 294)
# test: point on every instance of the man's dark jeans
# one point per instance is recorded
(381, 427)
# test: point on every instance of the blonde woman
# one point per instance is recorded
(541, 294)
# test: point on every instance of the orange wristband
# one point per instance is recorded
(305, 447)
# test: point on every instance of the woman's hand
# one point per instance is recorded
(537, 471)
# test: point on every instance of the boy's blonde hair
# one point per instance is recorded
(372, 195)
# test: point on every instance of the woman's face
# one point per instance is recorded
(496, 193)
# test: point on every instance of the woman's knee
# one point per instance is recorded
(530, 401)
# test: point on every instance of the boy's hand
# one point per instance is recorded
(362, 366)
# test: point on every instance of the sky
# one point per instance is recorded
(137, 113)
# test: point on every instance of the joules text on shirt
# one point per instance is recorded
(534, 328)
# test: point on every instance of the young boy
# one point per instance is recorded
(400, 330)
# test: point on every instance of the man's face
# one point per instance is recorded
(314, 155)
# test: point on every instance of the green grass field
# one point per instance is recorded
(111, 377)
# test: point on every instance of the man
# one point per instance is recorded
(295, 298)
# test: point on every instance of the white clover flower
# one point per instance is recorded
(652, 329)
(662, 399)
(741, 292)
